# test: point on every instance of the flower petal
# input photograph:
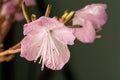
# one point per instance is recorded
(64, 34)
(57, 53)
(58, 29)
(30, 2)
(42, 22)
(95, 13)
(19, 16)
(30, 46)
(86, 34)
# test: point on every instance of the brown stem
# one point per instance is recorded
(13, 50)
(5, 26)
(6, 58)
(7, 55)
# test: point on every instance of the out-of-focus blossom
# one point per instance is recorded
(30, 2)
(46, 42)
(91, 17)
(19, 16)
(8, 8)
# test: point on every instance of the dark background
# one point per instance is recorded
(97, 61)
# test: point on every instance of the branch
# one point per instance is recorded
(6, 58)
(7, 55)
(5, 26)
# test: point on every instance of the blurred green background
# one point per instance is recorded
(97, 61)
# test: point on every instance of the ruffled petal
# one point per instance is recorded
(64, 35)
(42, 22)
(30, 46)
(95, 13)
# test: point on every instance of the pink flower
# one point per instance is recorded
(46, 41)
(9, 8)
(90, 18)
(19, 16)
(30, 2)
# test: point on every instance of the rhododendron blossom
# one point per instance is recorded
(91, 17)
(46, 41)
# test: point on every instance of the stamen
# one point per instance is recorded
(48, 10)
(33, 17)
(53, 60)
(98, 36)
(75, 26)
(40, 60)
(69, 16)
(62, 19)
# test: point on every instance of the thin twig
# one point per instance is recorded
(13, 50)
(16, 48)
(5, 26)
(6, 58)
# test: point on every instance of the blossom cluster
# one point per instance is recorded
(46, 39)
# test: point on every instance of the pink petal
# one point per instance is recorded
(86, 34)
(95, 13)
(58, 54)
(30, 2)
(42, 22)
(58, 29)
(68, 37)
(30, 46)
(19, 16)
